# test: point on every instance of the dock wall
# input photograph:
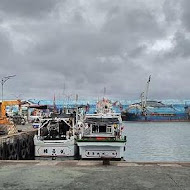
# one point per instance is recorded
(19, 146)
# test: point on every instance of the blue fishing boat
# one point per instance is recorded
(151, 110)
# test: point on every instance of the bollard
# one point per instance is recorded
(106, 160)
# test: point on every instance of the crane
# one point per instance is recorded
(6, 125)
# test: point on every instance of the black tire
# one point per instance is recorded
(23, 154)
(20, 148)
(27, 152)
(11, 157)
(27, 142)
(24, 144)
(1, 152)
(16, 156)
(16, 146)
(5, 151)
(10, 149)
(31, 142)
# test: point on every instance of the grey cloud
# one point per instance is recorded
(27, 8)
(137, 51)
(171, 11)
(181, 46)
(94, 44)
(136, 22)
(5, 45)
(186, 14)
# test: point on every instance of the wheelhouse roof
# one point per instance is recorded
(102, 121)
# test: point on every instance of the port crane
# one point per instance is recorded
(6, 126)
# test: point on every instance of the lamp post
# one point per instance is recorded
(3, 80)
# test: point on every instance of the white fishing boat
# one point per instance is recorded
(101, 134)
(55, 138)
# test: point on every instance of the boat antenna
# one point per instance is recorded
(64, 97)
(104, 92)
(54, 104)
(76, 98)
(146, 92)
(64, 88)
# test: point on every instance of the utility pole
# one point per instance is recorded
(3, 80)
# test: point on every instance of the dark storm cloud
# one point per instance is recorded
(5, 45)
(136, 22)
(186, 14)
(27, 8)
(171, 10)
(89, 45)
(181, 46)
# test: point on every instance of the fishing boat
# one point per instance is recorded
(152, 110)
(55, 138)
(101, 134)
(56, 135)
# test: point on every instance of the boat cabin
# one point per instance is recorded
(100, 126)
(55, 129)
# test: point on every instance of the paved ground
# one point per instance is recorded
(20, 175)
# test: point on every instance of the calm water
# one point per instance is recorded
(157, 141)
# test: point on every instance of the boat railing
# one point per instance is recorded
(103, 115)
(87, 131)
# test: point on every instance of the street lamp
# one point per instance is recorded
(3, 80)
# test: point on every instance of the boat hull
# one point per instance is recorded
(155, 117)
(52, 148)
(100, 150)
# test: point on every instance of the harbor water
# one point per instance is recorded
(157, 141)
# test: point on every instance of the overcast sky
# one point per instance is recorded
(91, 44)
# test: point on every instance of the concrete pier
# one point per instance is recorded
(94, 175)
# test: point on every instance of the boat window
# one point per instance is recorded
(94, 129)
(63, 127)
(55, 130)
(102, 129)
(108, 129)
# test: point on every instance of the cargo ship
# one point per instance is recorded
(154, 111)
(151, 110)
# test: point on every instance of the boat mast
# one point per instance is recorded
(142, 99)
(76, 116)
(54, 104)
(104, 98)
(64, 99)
(104, 92)
(146, 92)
